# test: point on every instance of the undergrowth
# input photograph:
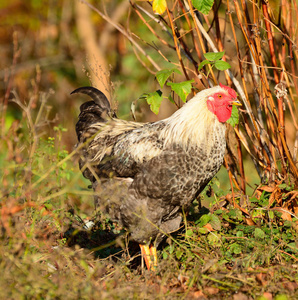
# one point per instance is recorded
(54, 246)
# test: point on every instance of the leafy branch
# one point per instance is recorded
(214, 59)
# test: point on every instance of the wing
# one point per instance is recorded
(120, 148)
(171, 177)
(176, 176)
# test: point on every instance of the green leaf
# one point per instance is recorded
(284, 186)
(235, 248)
(204, 6)
(257, 213)
(189, 232)
(182, 89)
(281, 297)
(232, 213)
(213, 56)
(288, 223)
(218, 212)
(271, 214)
(236, 214)
(222, 65)
(234, 119)
(239, 233)
(254, 199)
(163, 75)
(171, 99)
(215, 222)
(154, 100)
(179, 253)
(293, 247)
(278, 213)
(205, 219)
(159, 6)
(213, 239)
(225, 217)
(203, 63)
(171, 249)
(259, 233)
(203, 230)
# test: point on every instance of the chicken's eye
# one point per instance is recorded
(219, 96)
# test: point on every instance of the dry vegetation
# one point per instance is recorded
(242, 245)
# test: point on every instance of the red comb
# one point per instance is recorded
(231, 92)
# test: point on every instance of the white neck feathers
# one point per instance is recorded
(194, 125)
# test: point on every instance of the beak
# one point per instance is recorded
(236, 102)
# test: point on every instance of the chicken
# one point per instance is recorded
(145, 174)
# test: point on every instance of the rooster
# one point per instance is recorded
(145, 174)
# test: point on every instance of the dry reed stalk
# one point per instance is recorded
(262, 134)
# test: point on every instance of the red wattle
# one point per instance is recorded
(223, 114)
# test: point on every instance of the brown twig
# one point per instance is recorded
(176, 44)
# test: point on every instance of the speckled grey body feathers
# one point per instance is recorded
(140, 180)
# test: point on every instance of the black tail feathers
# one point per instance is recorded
(97, 96)
(92, 111)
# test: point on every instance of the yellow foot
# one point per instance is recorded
(150, 256)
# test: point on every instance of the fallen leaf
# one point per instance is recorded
(266, 188)
(285, 215)
(183, 279)
(240, 296)
(261, 279)
(275, 196)
(291, 286)
(209, 227)
(211, 290)
(198, 295)
(268, 296)
(208, 264)
(250, 222)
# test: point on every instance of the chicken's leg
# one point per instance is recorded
(150, 256)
